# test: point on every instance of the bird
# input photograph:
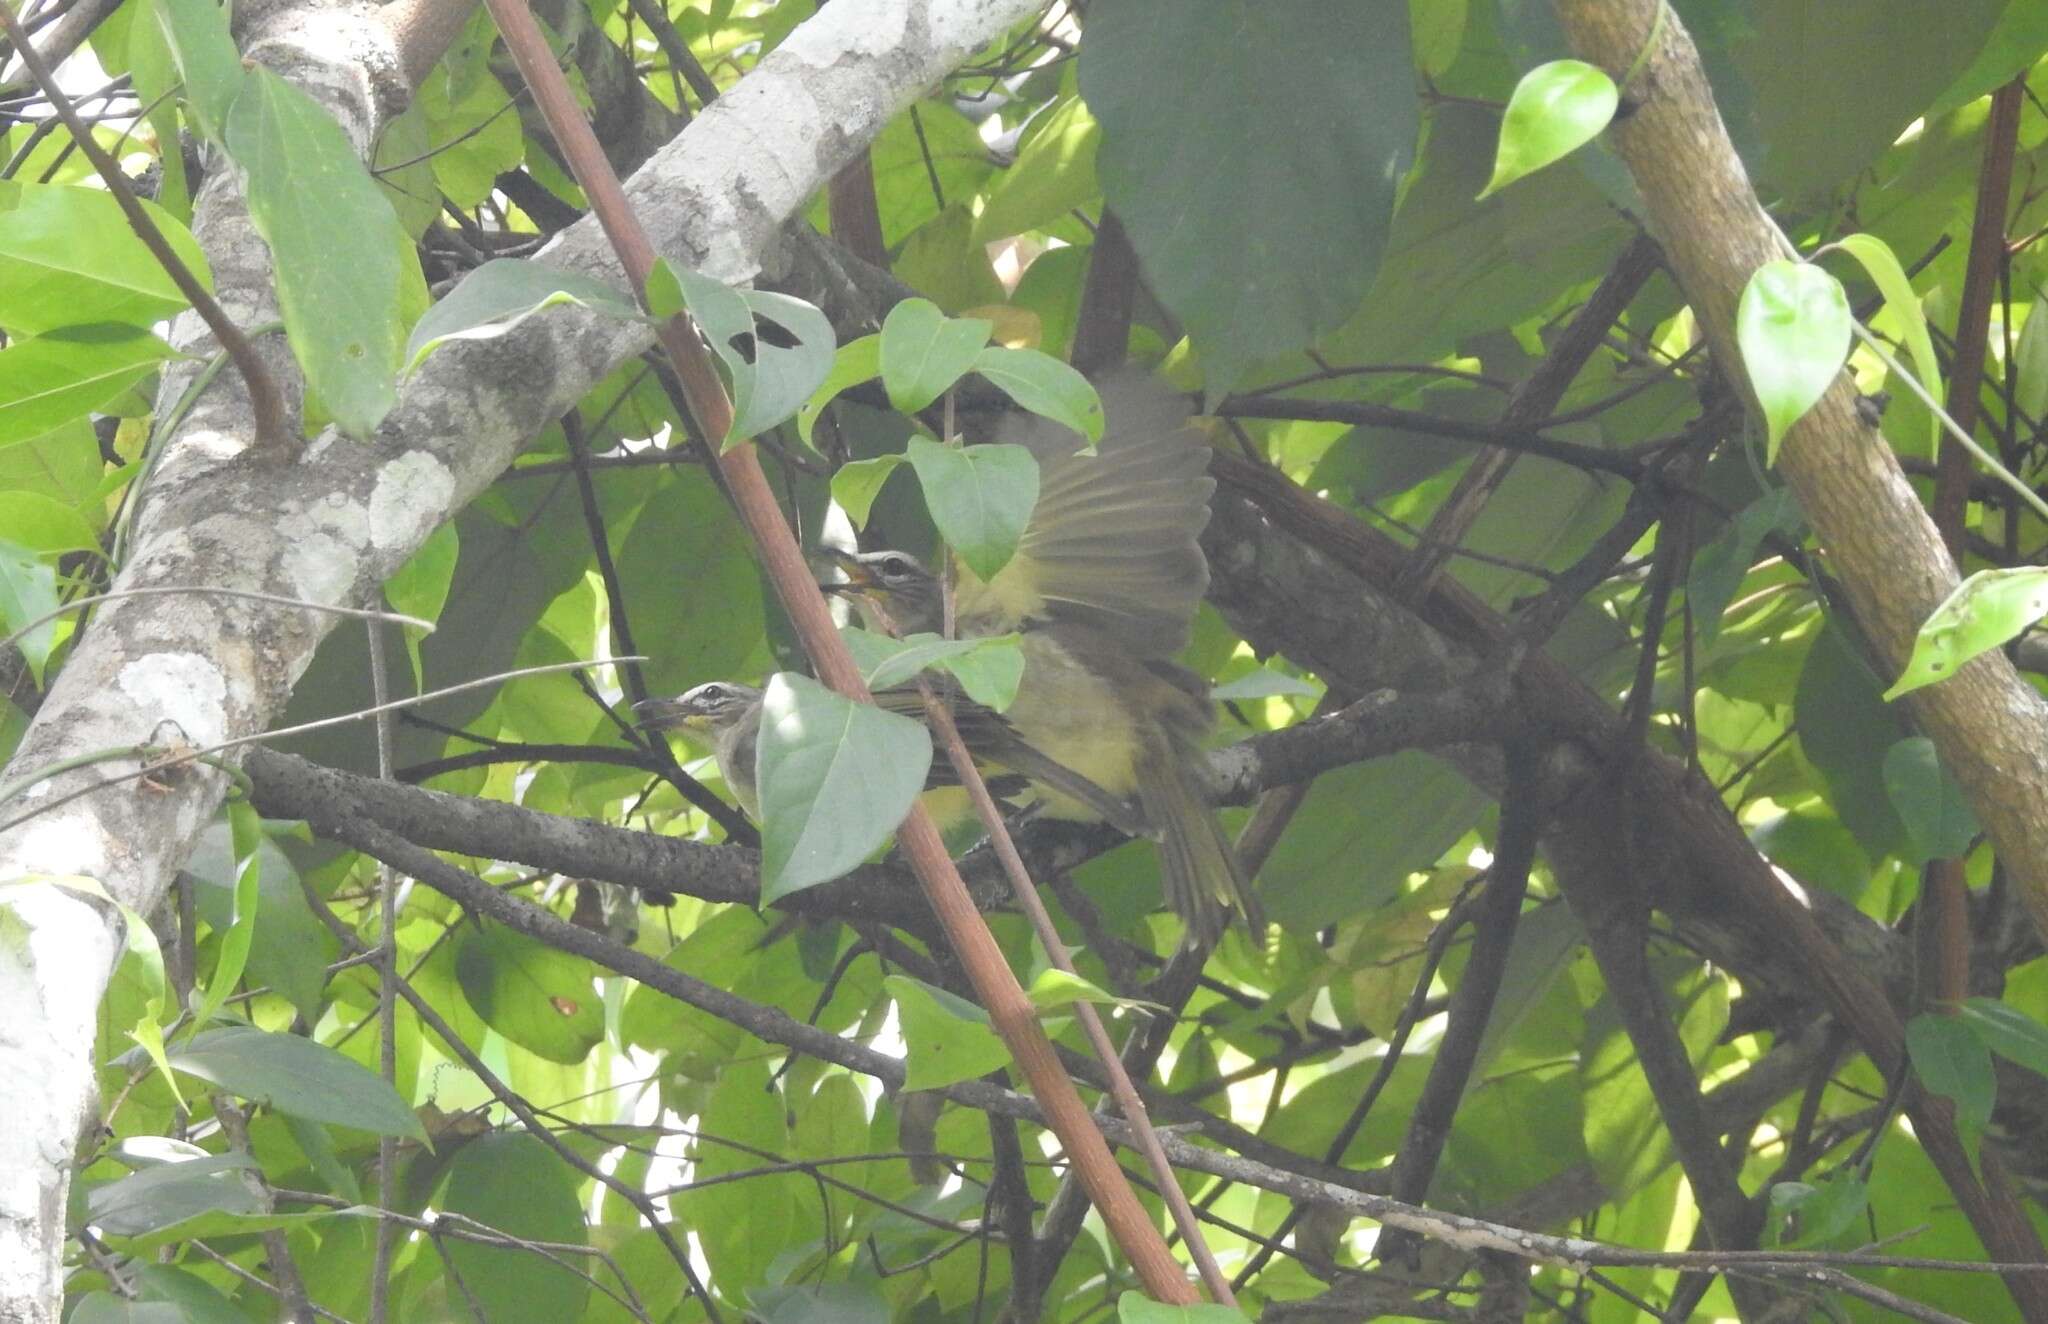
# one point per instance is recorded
(1101, 592)
(727, 716)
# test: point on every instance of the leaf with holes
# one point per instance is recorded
(776, 350)
(1985, 610)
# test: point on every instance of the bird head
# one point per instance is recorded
(705, 710)
(896, 582)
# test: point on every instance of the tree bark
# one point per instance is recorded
(331, 523)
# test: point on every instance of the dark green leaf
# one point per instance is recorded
(924, 352)
(534, 995)
(835, 778)
(335, 246)
(981, 497)
(1952, 1061)
(1720, 567)
(945, 1039)
(170, 1193)
(68, 258)
(297, 1076)
(2008, 1032)
(518, 1186)
(1985, 610)
(1044, 385)
(1793, 326)
(1209, 183)
(1818, 1214)
(1928, 801)
(501, 294)
(1555, 109)
(106, 1308)
(825, 1303)
(1845, 731)
(773, 373)
(208, 64)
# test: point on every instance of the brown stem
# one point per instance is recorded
(1009, 1010)
(264, 398)
(856, 215)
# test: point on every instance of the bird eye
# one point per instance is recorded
(896, 563)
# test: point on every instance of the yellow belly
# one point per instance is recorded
(1071, 715)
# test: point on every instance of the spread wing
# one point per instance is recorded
(1113, 543)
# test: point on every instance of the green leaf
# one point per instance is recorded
(475, 139)
(1793, 327)
(28, 590)
(1264, 683)
(2008, 1032)
(946, 1039)
(981, 498)
(924, 352)
(1845, 730)
(835, 778)
(420, 588)
(1985, 610)
(1044, 385)
(772, 374)
(44, 525)
(106, 1308)
(170, 1193)
(1819, 1213)
(1892, 282)
(334, 245)
(68, 258)
(1137, 1308)
(1555, 109)
(1721, 566)
(1210, 181)
(207, 62)
(1952, 1061)
(49, 379)
(1053, 175)
(539, 998)
(988, 668)
(1055, 990)
(245, 830)
(520, 1187)
(1936, 814)
(296, 1076)
(501, 294)
(821, 1303)
(857, 483)
(855, 362)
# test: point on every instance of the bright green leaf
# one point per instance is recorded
(68, 258)
(170, 1193)
(857, 483)
(1793, 327)
(246, 832)
(981, 497)
(44, 525)
(1985, 610)
(1265, 683)
(2008, 1032)
(49, 379)
(501, 294)
(924, 352)
(835, 777)
(1952, 1061)
(946, 1039)
(1044, 385)
(1555, 109)
(856, 361)
(28, 591)
(520, 1187)
(1897, 288)
(988, 667)
(1137, 1308)
(1053, 175)
(1933, 808)
(296, 1075)
(334, 245)
(420, 588)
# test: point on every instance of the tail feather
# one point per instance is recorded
(1203, 878)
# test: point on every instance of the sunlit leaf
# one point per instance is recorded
(1897, 288)
(835, 778)
(773, 372)
(857, 483)
(855, 361)
(1983, 612)
(69, 258)
(2008, 1032)
(501, 294)
(946, 1038)
(1793, 326)
(296, 1075)
(1044, 385)
(47, 379)
(1555, 109)
(981, 497)
(924, 352)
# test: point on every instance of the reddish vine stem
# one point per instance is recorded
(1009, 1010)
(265, 399)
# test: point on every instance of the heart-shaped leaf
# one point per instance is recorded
(1555, 109)
(1793, 327)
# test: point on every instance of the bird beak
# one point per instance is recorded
(855, 580)
(667, 714)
